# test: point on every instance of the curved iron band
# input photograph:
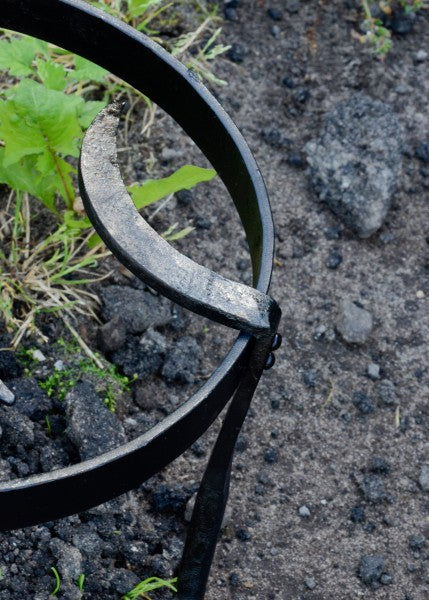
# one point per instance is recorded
(149, 256)
(82, 29)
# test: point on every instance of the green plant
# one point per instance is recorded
(376, 33)
(47, 101)
(106, 378)
(57, 581)
(148, 585)
(81, 581)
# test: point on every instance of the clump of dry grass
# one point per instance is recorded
(42, 275)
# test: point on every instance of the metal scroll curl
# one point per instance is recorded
(80, 28)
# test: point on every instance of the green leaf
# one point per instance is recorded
(88, 111)
(21, 138)
(85, 70)
(153, 190)
(51, 114)
(137, 8)
(52, 75)
(17, 55)
(25, 176)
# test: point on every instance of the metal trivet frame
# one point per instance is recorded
(80, 28)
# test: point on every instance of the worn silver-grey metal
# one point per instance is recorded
(78, 27)
(149, 256)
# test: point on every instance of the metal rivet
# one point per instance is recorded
(277, 342)
(270, 361)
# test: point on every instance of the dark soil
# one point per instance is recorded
(329, 497)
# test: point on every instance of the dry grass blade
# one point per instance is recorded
(45, 275)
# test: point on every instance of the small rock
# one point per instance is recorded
(112, 335)
(6, 395)
(386, 579)
(310, 583)
(38, 356)
(357, 514)
(170, 499)
(304, 511)
(271, 455)
(354, 323)
(182, 362)
(9, 366)
(370, 569)
(184, 197)
(17, 428)
(309, 378)
(138, 309)
(30, 400)
(275, 14)
(363, 403)
(424, 478)
(356, 162)
(92, 427)
(236, 53)
(372, 487)
(69, 559)
(296, 159)
(401, 23)
(373, 371)
(59, 365)
(387, 392)
(417, 542)
(421, 55)
(422, 151)
(142, 356)
(123, 581)
(334, 260)
(243, 535)
(379, 466)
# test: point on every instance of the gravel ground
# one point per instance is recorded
(330, 486)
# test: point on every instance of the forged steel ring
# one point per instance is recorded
(80, 28)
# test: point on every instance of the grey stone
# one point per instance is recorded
(387, 392)
(69, 559)
(356, 161)
(372, 487)
(424, 478)
(310, 583)
(17, 428)
(182, 362)
(6, 395)
(112, 335)
(370, 568)
(304, 511)
(373, 371)
(91, 426)
(142, 356)
(138, 309)
(354, 323)
(30, 400)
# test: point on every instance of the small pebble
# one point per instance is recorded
(334, 260)
(38, 356)
(420, 294)
(59, 365)
(310, 583)
(421, 56)
(271, 455)
(275, 14)
(236, 53)
(386, 579)
(373, 371)
(304, 511)
(424, 478)
(6, 395)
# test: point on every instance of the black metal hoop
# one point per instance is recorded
(75, 25)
